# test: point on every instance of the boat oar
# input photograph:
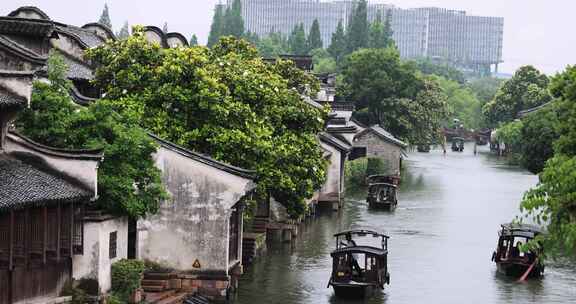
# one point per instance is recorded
(527, 273)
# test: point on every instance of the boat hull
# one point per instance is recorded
(353, 291)
(516, 270)
(389, 206)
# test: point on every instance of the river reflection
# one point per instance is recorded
(442, 237)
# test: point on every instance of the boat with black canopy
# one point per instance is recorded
(359, 270)
(382, 192)
(509, 257)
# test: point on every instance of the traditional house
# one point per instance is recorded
(375, 142)
(43, 190)
(197, 233)
(337, 150)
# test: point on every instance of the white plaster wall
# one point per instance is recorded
(84, 171)
(174, 42)
(28, 15)
(95, 263)
(99, 31)
(194, 223)
(19, 85)
(332, 184)
(68, 45)
(152, 36)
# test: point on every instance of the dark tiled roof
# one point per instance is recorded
(335, 142)
(383, 134)
(79, 98)
(22, 51)
(9, 99)
(77, 69)
(22, 26)
(24, 185)
(88, 38)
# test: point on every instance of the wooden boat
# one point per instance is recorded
(423, 148)
(382, 196)
(359, 271)
(510, 259)
(458, 144)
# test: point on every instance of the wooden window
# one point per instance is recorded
(78, 236)
(112, 244)
(234, 235)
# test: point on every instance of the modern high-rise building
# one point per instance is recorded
(467, 41)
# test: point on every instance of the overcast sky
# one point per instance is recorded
(537, 32)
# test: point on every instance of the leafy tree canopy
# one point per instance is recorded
(338, 48)
(427, 67)
(462, 102)
(128, 181)
(124, 31)
(358, 27)
(105, 17)
(315, 37)
(485, 88)
(552, 201)
(217, 27)
(194, 40)
(273, 45)
(233, 21)
(225, 102)
(393, 94)
(297, 40)
(528, 88)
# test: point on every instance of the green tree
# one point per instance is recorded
(323, 62)
(380, 35)
(338, 48)
(297, 40)
(427, 67)
(233, 21)
(528, 88)
(485, 88)
(273, 45)
(225, 102)
(358, 27)
(388, 34)
(315, 37)
(124, 31)
(392, 94)
(217, 28)
(128, 181)
(538, 137)
(462, 102)
(552, 202)
(194, 40)
(105, 17)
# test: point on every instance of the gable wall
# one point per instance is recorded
(379, 148)
(193, 224)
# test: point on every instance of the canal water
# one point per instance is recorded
(443, 234)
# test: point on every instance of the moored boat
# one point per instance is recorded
(509, 257)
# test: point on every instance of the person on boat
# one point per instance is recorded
(350, 243)
(515, 252)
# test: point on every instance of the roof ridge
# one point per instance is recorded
(84, 154)
(205, 158)
(21, 51)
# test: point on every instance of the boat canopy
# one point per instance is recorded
(362, 232)
(384, 184)
(521, 230)
(359, 249)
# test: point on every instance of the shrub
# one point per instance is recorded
(358, 170)
(126, 277)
